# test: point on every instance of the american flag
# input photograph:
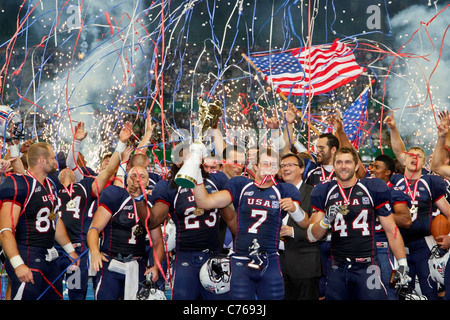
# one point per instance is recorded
(308, 71)
(355, 117)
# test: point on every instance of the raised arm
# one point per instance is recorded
(149, 127)
(72, 156)
(440, 159)
(398, 147)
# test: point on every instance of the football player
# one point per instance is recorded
(349, 207)
(29, 226)
(261, 205)
(197, 231)
(121, 256)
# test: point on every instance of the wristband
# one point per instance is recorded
(68, 248)
(16, 261)
(137, 199)
(298, 215)
(76, 145)
(309, 234)
(402, 262)
(121, 171)
(278, 140)
(14, 151)
(324, 225)
(5, 229)
(121, 146)
(199, 177)
(299, 146)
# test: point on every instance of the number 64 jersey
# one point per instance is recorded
(353, 233)
(35, 227)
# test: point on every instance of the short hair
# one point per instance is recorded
(230, 148)
(269, 151)
(388, 162)
(347, 150)
(139, 159)
(106, 156)
(37, 150)
(332, 140)
(300, 161)
(418, 149)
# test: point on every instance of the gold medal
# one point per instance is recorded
(71, 204)
(52, 215)
(343, 209)
(138, 231)
(198, 212)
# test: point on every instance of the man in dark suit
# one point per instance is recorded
(300, 259)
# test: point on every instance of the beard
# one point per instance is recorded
(348, 177)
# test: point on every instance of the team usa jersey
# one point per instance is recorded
(319, 174)
(37, 221)
(123, 234)
(353, 234)
(75, 202)
(196, 229)
(423, 193)
(397, 196)
(259, 215)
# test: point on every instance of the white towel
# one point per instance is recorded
(131, 280)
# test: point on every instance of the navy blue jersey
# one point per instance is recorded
(397, 196)
(259, 215)
(353, 234)
(119, 235)
(430, 188)
(153, 179)
(36, 226)
(319, 174)
(75, 202)
(197, 229)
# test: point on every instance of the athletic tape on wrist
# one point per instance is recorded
(16, 261)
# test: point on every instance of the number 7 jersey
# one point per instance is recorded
(353, 234)
(259, 215)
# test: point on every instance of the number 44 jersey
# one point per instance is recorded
(353, 233)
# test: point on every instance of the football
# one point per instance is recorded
(440, 226)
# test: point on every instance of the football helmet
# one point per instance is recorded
(405, 292)
(169, 235)
(150, 290)
(11, 125)
(437, 263)
(215, 274)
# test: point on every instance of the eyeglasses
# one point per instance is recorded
(288, 165)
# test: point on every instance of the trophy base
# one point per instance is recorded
(185, 181)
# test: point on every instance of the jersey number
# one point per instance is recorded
(360, 222)
(190, 221)
(261, 215)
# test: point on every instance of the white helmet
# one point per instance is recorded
(150, 290)
(10, 123)
(437, 263)
(169, 231)
(215, 274)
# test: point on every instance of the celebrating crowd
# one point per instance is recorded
(267, 221)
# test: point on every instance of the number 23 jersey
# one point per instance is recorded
(196, 230)
(353, 233)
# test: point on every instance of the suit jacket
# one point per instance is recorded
(300, 258)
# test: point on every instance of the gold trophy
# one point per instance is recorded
(208, 117)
